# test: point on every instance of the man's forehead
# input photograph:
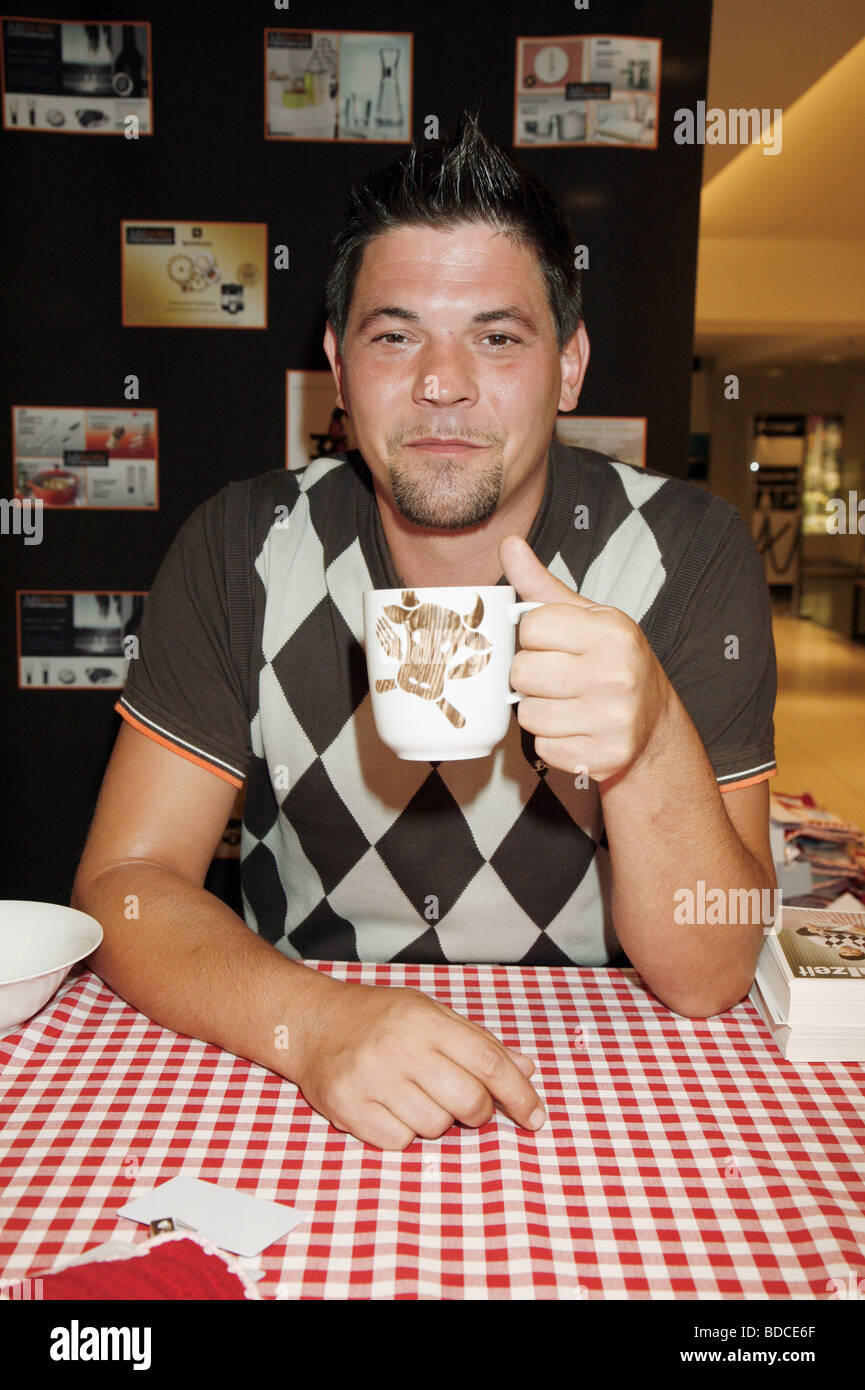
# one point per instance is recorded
(470, 247)
(472, 255)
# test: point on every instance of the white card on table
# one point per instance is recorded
(235, 1221)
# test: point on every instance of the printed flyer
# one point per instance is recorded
(326, 85)
(194, 274)
(587, 90)
(620, 437)
(71, 640)
(822, 470)
(79, 79)
(314, 424)
(70, 457)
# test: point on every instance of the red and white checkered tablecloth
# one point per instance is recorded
(681, 1159)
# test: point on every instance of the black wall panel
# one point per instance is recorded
(220, 394)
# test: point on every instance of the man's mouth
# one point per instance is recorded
(442, 446)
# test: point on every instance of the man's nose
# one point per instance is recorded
(445, 374)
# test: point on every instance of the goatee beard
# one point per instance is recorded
(446, 494)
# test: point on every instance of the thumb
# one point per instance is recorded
(532, 580)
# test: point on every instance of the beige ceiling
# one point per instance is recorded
(781, 267)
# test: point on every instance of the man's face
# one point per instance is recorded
(451, 337)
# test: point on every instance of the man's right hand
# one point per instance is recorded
(389, 1065)
(383, 1064)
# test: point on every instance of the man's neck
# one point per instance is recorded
(430, 558)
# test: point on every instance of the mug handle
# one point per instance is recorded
(515, 612)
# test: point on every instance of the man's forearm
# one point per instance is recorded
(668, 831)
(189, 963)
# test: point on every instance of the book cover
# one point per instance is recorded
(817, 943)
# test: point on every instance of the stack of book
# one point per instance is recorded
(809, 987)
(817, 854)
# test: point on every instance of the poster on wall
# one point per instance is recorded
(74, 640)
(79, 79)
(621, 437)
(328, 85)
(822, 469)
(776, 513)
(69, 457)
(194, 274)
(599, 89)
(315, 425)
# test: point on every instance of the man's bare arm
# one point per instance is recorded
(185, 960)
(668, 827)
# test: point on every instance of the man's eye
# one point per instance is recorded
(503, 338)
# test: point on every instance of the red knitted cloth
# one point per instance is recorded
(170, 1269)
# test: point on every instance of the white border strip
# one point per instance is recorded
(749, 772)
(175, 738)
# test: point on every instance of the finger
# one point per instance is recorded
(529, 577)
(580, 755)
(377, 1125)
(485, 1033)
(461, 1018)
(555, 675)
(418, 1108)
(453, 1088)
(554, 718)
(484, 1057)
(561, 627)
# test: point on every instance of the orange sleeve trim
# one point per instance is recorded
(749, 781)
(173, 748)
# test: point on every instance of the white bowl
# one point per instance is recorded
(39, 944)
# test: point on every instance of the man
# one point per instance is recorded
(455, 336)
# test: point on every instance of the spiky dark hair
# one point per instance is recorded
(462, 178)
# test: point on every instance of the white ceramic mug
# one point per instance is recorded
(439, 663)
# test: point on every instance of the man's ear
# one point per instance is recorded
(332, 349)
(574, 359)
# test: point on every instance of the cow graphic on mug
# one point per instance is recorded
(433, 635)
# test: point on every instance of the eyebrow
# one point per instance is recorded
(509, 312)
